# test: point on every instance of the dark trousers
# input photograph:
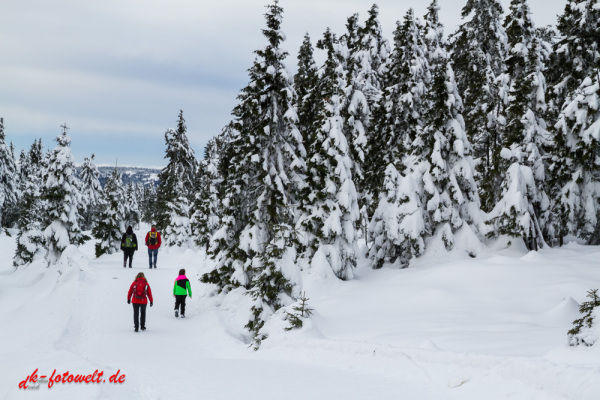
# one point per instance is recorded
(136, 314)
(180, 301)
(128, 253)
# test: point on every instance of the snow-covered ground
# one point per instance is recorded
(450, 327)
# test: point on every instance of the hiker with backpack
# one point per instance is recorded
(139, 293)
(129, 245)
(153, 242)
(180, 291)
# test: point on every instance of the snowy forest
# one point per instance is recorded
(424, 140)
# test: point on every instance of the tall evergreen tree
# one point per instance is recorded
(110, 220)
(207, 215)
(176, 179)
(576, 55)
(61, 192)
(91, 191)
(131, 205)
(437, 195)
(305, 83)
(574, 78)
(30, 239)
(524, 206)
(478, 54)
(149, 203)
(575, 165)
(330, 202)
(179, 230)
(398, 116)
(371, 55)
(261, 183)
(433, 35)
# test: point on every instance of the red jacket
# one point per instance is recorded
(158, 241)
(147, 295)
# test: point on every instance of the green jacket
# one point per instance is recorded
(182, 286)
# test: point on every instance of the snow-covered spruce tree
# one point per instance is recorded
(370, 56)
(438, 181)
(176, 181)
(110, 219)
(131, 205)
(179, 230)
(365, 76)
(398, 226)
(478, 51)
(305, 83)
(433, 35)
(8, 178)
(149, 203)
(91, 191)
(355, 111)
(329, 201)
(576, 55)
(575, 165)
(574, 75)
(454, 202)
(206, 218)
(30, 239)
(397, 118)
(524, 206)
(63, 199)
(263, 177)
(586, 330)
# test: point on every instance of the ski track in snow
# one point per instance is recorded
(361, 344)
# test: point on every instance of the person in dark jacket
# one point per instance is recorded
(153, 241)
(180, 291)
(139, 293)
(129, 245)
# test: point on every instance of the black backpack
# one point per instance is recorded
(152, 238)
(129, 241)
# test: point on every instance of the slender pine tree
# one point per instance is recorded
(30, 239)
(177, 181)
(478, 51)
(63, 199)
(91, 191)
(110, 220)
(261, 183)
(330, 202)
(207, 215)
(398, 116)
(523, 209)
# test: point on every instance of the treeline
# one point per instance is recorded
(424, 141)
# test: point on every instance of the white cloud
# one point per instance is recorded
(129, 65)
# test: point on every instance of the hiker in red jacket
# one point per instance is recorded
(140, 293)
(153, 242)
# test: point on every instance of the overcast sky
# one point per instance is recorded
(118, 71)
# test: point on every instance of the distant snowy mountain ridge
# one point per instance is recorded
(135, 175)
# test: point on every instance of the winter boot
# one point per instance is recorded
(135, 330)
(182, 316)
(176, 313)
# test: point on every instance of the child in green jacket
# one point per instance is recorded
(180, 291)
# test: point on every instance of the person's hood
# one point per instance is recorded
(153, 229)
(130, 230)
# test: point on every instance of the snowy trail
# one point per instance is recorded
(364, 343)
